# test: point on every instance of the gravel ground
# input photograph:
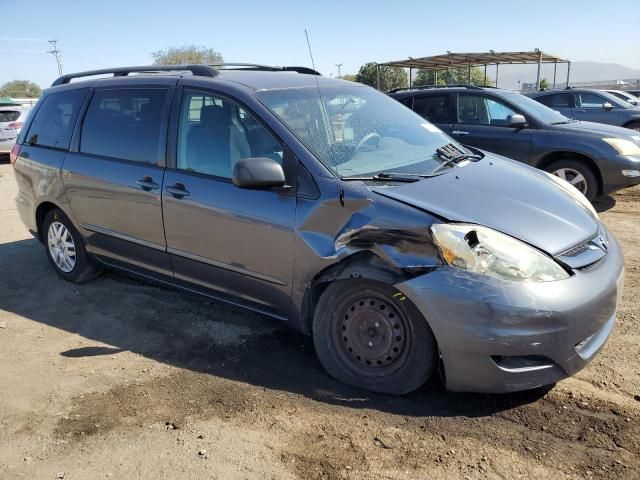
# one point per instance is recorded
(122, 379)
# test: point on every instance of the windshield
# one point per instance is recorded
(535, 109)
(356, 130)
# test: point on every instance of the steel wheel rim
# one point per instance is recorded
(62, 248)
(371, 334)
(573, 177)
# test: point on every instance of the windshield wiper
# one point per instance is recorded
(387, 176)
(451, 155)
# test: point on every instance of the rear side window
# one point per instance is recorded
(434, 108)
(9, 115)
(124, 124)
(55, 119)
(559, 100)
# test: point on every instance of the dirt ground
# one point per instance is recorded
(121, 379)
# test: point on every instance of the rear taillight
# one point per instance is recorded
(15, 125)
(15, 151)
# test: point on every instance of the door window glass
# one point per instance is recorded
(55, 119)
(559, 100)
(480, 110)
(215, 133)
(434, 108)
(591, 100)
(124, 124)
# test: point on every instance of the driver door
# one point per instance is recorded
(481, 122)
(232, 241)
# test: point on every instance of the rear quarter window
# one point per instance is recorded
(54, 121)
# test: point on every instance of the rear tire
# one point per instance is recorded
(65, 249)
(369, 335)
(578, 174)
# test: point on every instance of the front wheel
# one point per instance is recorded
(634, 126)
(65, 249)
(369, 335)
(576, 173)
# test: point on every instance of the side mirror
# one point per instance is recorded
(607, 106)
(516, 121)
(258, 172)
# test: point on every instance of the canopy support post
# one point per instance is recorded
(539, 71)
(469, 74)
(497, 71)
(555, 69)
(568, 72)
(378, 76)
(410, 80)
(485, 74)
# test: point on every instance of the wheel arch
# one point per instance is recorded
(552, 157)
(633, 121)
(363, 264)
(41, 213)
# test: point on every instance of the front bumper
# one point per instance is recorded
(498, 336)
(613, 178)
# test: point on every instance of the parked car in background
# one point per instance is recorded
(634, 92)
(591, 105)
(11, 121)
(627, 97)
(597, 159)
(329, 206)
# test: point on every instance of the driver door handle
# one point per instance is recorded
(460, 132)
(178, 191)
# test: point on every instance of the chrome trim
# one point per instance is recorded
(125, 237)
(226, 266)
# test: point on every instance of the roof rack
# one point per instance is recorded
(267, 68)
(451, 85)
(210, 70)
(199, 70)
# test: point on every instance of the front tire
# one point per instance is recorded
(578, 174)
(369, 335)
(65, 249)
(634, 126)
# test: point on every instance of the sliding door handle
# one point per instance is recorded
(147, 184)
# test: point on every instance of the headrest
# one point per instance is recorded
(213, 116)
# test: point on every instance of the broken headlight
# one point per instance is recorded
(485, 251)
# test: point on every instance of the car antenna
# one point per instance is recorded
(313, 64)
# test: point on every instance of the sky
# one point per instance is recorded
(99, 34)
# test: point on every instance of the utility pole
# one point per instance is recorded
(56, 53)
(338, 65)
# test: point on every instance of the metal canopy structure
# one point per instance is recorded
(452, 60)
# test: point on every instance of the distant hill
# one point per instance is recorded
(580, 72)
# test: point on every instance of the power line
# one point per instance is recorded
(56, 53)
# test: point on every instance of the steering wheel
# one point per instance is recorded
(367, 138)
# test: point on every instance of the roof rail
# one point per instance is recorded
(268, 68)
(199, 70)
(451, 85)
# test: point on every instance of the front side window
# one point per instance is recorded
(481, 110)
(434, 108)
(591, 100)
(355, 130)
(214, 133)
(125, 124)
(55, 119)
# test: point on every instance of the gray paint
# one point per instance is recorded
(269, 250)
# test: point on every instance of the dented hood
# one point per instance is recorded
(507, 196)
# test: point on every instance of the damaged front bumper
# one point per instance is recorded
(497, 336)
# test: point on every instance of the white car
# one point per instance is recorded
(11, 121)
(627, 97)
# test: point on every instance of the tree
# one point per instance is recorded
(189, 54)
(544, 84)
(390, 77)
(20, 89)
(452, 76)
(350, 77)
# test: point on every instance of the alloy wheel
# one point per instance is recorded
(62, 248)
(573, 177)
